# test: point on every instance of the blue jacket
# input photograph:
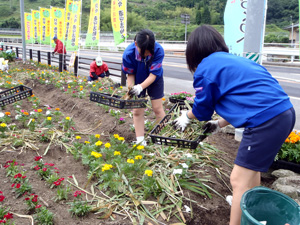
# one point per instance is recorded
(141, 68)
(241, 91)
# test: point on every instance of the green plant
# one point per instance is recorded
(290, 150)
(44, 216)
(79, 208)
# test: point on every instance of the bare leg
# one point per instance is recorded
(158, 109)
(241, 179)
(138, 121)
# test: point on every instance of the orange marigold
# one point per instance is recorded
(7, 113)
(26, 113)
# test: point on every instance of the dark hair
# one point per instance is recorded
(145, 40)
(202, 42)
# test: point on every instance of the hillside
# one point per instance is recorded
(159, 15)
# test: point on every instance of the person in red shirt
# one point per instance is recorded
(98, 70)
(60, 49)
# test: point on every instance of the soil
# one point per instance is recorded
(87, 116)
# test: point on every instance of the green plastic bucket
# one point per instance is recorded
(264, 204)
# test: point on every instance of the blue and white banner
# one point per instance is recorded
(235, 25)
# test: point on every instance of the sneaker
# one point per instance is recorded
(144, 143)
(229, 199)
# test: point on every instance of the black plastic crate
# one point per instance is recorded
(14, 94)
(191, 144)
(175, 100)
(116, 101)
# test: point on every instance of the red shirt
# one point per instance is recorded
(60, 48)
(98, 69)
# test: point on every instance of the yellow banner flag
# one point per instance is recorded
(36, 26)
(28, 27)
(73, 11)
(119, 20)
(45, 26)
(57, 24)
(92, 36)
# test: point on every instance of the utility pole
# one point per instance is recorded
(292, 38)
(186, 20)
(23, 30)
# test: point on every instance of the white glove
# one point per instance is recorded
(136, 90)
(212, 127)
(182, 121)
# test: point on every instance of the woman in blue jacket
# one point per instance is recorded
(142, 61)
(245, 95)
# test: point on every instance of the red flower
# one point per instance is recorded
(8, 216)
(13, 185)
(34, 199)
(18, 185)
(26, 199)
(37, 158)
(2, 221)
(37, 168)
(16, 176)
(38, 206)
(24, 177)
(19, 175)
(70, 176)
(2, 197)
(44, 169)
(61, 179)
(46, 164)
(1, 192)
(50, 164)
(6, 166)
(57, 183)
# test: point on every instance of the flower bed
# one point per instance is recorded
(120, 182)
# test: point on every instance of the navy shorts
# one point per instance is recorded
(155, 90)
(260, 144)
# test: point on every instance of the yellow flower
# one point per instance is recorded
(121, 138)
(106, 167)
(117, 153)
(69, 86)
(39, 110)
(3, 125)
(49, 118)
(134, 145)
(116, 136)
(130, 161)
(78, 137)
(97, 135)
(33, 120)
(96, 154)
(138, 157)
(87, 142)
(140, 147)
(107, 145)
(149, 173)
(67, 118)
(94, 85)
(121, 87)
(98, 143)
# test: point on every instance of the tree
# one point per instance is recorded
(198, 17)
(206, 15)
